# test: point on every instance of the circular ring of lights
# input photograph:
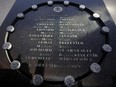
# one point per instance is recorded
(95, 67)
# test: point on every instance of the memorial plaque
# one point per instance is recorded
(58, 43)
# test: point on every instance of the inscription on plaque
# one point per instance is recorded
(58, 42)
(68, 35)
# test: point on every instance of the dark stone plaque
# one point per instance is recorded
(51, 42)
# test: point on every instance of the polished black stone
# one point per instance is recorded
(65, 42)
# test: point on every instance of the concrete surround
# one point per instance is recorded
(6, 5)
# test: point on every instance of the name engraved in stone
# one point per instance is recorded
(59, 39)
